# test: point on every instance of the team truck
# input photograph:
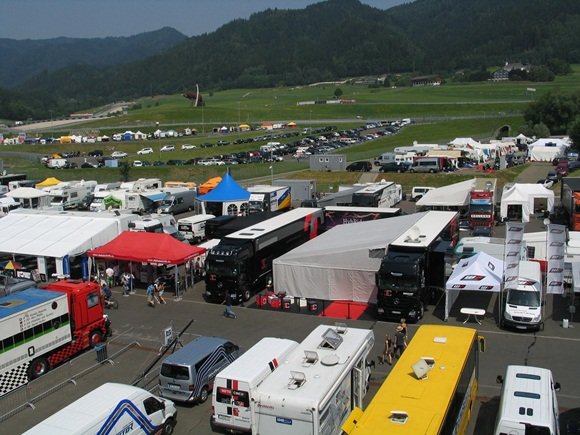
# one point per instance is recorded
(241, 263)
(336, 215)
(317, 387)
(42, 327)
(112, 409)
(414, 266)
(482, 203)
(269, 198)
(570, 201)
(383, 194)
(233, 398)
(192, 228)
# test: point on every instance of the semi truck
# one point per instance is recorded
(414, 265)
(348, 215)
(42, 327)
(482, 200)
(241, 263)
(269, 198)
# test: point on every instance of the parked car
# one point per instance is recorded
(187, 146)
(393, 167)
(119, 154)
(362, 166)
(563, 168)
(137, 163)
(96, 153)
(167, 148)
(145, 151)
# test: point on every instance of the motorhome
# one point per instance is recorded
(233, 398)
(22, 183)
(70, 196)
(178, 200)
(112, 408)
(7, 204)
(144, 201)
(193, 227)
(523, 304)
(528, 403)
(320, 383)
(157, 223)
(107, 186)
(382, 194)
(108, 199)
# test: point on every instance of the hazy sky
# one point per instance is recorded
(43, 19)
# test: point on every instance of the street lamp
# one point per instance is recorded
(272, 173)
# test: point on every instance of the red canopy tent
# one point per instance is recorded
(145, 247)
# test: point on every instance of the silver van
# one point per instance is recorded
(177, 202)
(188, 374)
(428, 164)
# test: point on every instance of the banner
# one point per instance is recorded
(512, 253)
(556, 251)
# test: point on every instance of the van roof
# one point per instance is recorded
(265, 354)
(82, 413)
(192, 352)
(527, 395)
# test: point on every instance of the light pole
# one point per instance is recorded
(272, 173)
(158, 138)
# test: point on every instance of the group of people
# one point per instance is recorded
(396, 345)
(155, 293)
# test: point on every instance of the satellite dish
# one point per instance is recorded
(414, 233)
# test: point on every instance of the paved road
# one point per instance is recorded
(554, 347)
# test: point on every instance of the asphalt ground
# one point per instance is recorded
(555, 347)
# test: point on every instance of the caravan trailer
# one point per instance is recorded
(319, 384)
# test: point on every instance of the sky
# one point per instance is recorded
(45, 19)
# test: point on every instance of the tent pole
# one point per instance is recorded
(177, 295)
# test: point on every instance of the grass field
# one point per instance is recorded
(440, 113)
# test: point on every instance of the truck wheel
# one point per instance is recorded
(431, 171)
(168, 426)
(246, 295)
(37, 368)
(95, 338)
(203, 395)
(411, 170)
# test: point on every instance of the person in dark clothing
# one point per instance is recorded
(399, 342)
(228, 312)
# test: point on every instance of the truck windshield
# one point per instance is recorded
(388, 281)
(165, 203)
(221, 268)
(524, 298)
(255, 207)
(57, 199)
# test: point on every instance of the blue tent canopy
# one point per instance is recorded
(227, 190)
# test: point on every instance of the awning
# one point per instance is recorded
(157, 196)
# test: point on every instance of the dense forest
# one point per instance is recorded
(331, 40)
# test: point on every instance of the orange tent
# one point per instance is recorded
(209, 185)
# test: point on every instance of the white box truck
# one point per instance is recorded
(114, 409)
(234, 388)
(193, 227)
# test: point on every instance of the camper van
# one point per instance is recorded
(523, 305)
(178, 200)
(108, 199)
(67, 197)
(188, 375)
(115, 409)
(7, 204)
(528, 403)
(233, 402)
(193, 228)
(157, 223)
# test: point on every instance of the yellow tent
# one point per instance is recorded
(50, 181)
(244, 127)
(291, 124)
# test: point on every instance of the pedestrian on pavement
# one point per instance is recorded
(109, 272)
(151, 295)
(228, 312)
(127, 282)
(399, 342)
(159, 290)
(387, 352)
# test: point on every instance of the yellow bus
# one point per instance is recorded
(430, 390)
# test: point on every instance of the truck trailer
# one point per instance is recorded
(414, 266)
(42, 327)
(570, 201)
(382, 194)
(241, 263)
(269, 198)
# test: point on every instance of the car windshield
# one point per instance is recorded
(524, 298)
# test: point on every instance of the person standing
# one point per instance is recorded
(109, 272)
(127, 282)
(388, 352)
(151, 295)
(400, 342)
(159, 290)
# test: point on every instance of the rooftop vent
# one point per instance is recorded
(297, 380)
(331, 339)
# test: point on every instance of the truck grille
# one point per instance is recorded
(522, 319)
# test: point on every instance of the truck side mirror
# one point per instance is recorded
(499, 379)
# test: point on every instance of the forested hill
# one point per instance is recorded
(23, 59)
(332, 40)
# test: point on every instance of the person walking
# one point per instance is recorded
(159, 290)
(388, 352)
(228, 312)
(127, 282)
(151, 295)
(399, 342)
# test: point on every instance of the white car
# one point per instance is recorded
(145, 151)
(187, 146)
(167, 148)
(119, 154)
(137, 163)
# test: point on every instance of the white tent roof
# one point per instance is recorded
(341, 263)
(454, 195)
(27, 193)
(482, 272)
(525, 195)
(549, 140)
(54, 235)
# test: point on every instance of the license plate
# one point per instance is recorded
(174, 386)
(520, 327)
(396, 312)
(380, 310)
(208, 293)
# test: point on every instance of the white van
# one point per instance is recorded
(528, 403)
(523, 305)
(419, 192)
(193, 227)
(112, 408)
(233, 402)
(426, 164)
